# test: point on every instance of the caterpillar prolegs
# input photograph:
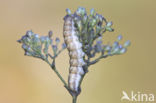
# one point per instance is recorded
(76, 54)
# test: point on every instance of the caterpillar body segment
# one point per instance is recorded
(76, 54)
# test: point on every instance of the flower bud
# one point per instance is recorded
(109, 24)
(42, 38)
(45, 50)
(28, 54)
(98, 28)
(127, 43)
(107, 48)
(63, 46)
(100, 18)
(57, 40)
(97, 17)
(79, 24)
(115, 50)
(36, 36)
(50, 34)
(54, 47)
(29, 33)
(83, 11)
(85, 18)
(78, 11)
(119, 37)
(92, 12)
(68, 11)
(20, 41)
(123, 50)
(120, 46)
(115, 44)
(99, 42)
(109, 29)
(98, 48)
(93, 22)
(24, 46)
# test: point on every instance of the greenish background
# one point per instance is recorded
(29, 80)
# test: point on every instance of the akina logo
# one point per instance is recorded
(137, 96)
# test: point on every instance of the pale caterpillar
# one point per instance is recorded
(76, 54)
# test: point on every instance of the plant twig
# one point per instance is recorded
(74, 99)
(97, 59)
(57, 73)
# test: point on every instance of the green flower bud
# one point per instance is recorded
(68, 11)
(109, 29)
(28, 54)
(36, 36)
(100, 18)
(29, 33)
(48, 40)
(98, 28)
(85, 18)
(78, 12)
(98, 48)
(50, 34)
(115, 50)
(97, 17)
(115, 44)
(93, 22)
(42, 38)
(27, 40)
(24, 46)
(127, 43)
(109, 24)
(54, 47)
(57, 40)
(83, 11)
(120, 46)
(45, 50)
(123, 50)
(63, 46)
(79, 24)
(107, 48)
(119, 37)
(92, 12)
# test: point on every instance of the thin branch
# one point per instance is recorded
(50, 56)
(97, 59)
(53, 57)
(57, 73)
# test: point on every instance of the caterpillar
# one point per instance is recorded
(76, 54)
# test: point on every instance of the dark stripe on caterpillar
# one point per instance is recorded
(76, 54)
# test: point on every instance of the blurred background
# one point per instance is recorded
(29, 80)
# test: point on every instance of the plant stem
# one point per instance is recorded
(74, 99)
(96, 60)
(57, 73)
